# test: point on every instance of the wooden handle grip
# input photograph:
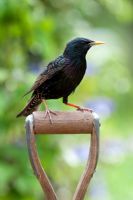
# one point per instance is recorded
(63, 122)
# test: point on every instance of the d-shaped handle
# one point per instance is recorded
(63, 123)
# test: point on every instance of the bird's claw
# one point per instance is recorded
(47, 112)
(82, 109)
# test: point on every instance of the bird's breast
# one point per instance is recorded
(75, 73)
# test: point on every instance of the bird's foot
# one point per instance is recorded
(82, 109)
(48, 113)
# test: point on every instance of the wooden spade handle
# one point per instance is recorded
(63, 122)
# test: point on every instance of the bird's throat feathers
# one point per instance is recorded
(76, 54)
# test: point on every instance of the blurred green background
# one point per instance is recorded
(34, 32)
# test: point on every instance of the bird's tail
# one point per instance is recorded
(31, 106)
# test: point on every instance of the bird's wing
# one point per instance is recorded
(52, 68)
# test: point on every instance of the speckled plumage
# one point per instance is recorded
(61, 76)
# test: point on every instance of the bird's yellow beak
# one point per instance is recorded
(96, 43)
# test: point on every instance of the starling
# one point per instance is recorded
(61, 76)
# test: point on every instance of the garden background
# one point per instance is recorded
(34, 32)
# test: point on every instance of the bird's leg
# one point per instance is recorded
(78, 107)
(48, 112)
(65, 101)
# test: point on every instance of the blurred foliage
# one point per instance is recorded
(33, 32)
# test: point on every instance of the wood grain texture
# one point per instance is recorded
(63, 123)
(90, 166)
(36, 163)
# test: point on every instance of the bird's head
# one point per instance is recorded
(79, 47)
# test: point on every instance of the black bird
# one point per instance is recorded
(61, 76)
